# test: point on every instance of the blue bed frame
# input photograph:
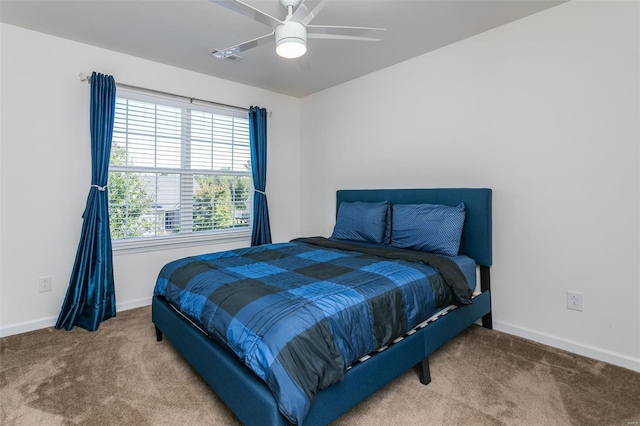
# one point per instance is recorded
(248, 396)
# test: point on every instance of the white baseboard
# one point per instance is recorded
(133, 304)
(25, 327)
(570, 346)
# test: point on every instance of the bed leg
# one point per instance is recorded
(485, 284)
(158, 335)
(425, 373)
(487, 321)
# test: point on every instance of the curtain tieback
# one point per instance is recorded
(100, 188)
(260, 192)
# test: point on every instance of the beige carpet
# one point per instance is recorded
(120, 375)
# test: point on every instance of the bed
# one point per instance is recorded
(249, 397)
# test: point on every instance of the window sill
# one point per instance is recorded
(141, 245)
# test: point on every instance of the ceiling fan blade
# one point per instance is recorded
(364, 32)
(307, 10)
(234, 50)
(250, 11)
(341, 37)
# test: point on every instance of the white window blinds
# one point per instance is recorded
(177, 169)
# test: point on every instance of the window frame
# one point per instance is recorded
(189, 239)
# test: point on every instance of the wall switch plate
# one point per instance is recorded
(574, 301)
(44, 284)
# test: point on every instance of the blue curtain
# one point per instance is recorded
(261, 232)
(90, 297)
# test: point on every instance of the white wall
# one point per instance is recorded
(45, 167)
(544, 111)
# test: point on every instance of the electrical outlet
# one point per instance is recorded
(44, 284)
(574, 301)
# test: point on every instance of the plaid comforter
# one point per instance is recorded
(299, 313)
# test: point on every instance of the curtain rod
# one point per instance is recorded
(87, 78)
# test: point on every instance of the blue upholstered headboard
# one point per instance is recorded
(476, 234)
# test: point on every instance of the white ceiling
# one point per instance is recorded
(183, 32)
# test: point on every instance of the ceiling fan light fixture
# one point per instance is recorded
(291, 49)
(291, 40)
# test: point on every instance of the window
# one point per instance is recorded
(178, 172)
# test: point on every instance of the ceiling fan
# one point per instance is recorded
(291, 34)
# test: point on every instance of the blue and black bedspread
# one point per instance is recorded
(299, 313)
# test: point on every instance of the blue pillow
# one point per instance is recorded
(366, 222)
(434, 228)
